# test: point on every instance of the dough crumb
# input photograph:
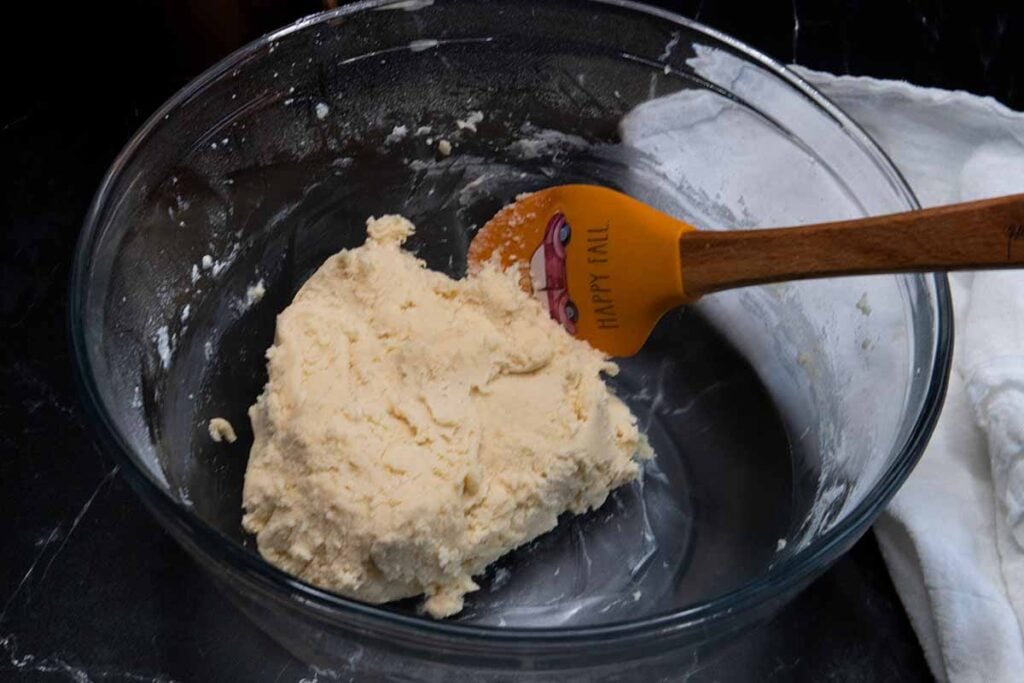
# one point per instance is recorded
(221, 430)
(415, 428)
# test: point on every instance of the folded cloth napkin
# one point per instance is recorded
(953, 537)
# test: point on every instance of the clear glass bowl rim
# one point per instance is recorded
(783, 578)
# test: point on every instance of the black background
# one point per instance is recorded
(90, 587)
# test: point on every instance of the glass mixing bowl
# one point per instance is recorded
(783, 417)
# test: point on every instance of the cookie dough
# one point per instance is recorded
(221, 430)
(415, 428)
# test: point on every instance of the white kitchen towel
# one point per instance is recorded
(953, 537)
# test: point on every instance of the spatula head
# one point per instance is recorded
(604, 265)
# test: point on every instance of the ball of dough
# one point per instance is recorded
(415, 428)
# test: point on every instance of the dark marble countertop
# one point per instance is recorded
(91, 588)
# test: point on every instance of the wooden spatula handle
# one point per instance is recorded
(970, 236)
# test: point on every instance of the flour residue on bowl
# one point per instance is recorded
(812, 368)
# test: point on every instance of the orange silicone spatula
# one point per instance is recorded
(607, 267)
